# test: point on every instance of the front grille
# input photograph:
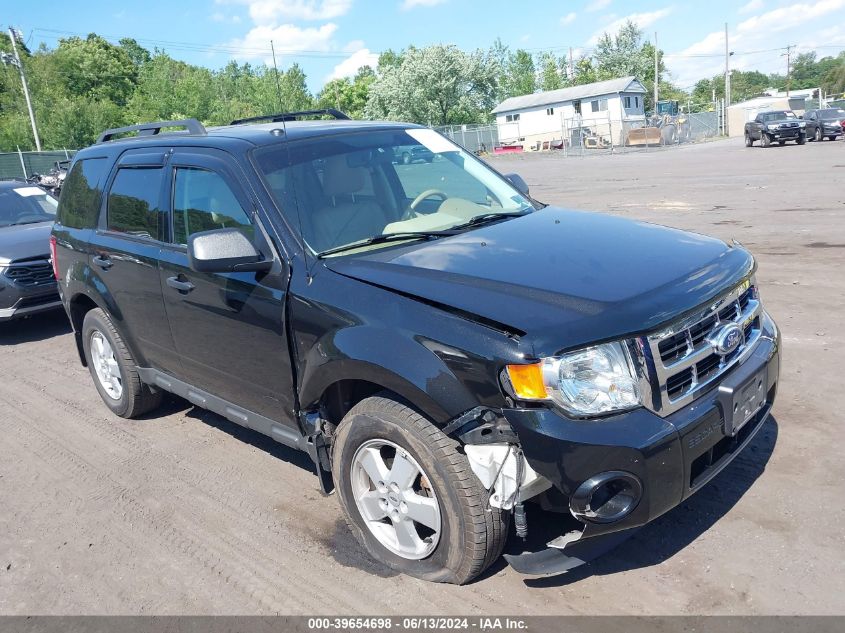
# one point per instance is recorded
(684, 361)
(30, 273)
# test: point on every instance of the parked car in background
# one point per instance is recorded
(27, 284)
(443, 346)
(827, 123)
(412, 154)
(775, 126)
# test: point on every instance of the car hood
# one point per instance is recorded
(26, 240)
(563, 278)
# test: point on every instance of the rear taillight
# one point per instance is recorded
(53, 258)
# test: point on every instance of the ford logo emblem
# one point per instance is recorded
(725, 339)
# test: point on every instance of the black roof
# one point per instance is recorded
(249, 133)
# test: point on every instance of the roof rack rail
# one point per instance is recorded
(291, 116)
(148, 129)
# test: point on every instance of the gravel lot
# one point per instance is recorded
(185, 513)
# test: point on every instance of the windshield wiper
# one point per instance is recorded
(484, 218)
(386, 237)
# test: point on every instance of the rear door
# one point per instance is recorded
(229, 328)
(124, 254)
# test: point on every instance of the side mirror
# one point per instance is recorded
(224, 251)
(517, 181)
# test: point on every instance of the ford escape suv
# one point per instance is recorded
(451, 353)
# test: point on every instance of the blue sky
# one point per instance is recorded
(334, 37)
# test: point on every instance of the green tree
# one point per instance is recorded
(348, 95)
(520, 75)
(552, 72)
(436, 85)
(95, 69)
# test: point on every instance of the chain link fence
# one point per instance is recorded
(24, 164)
(590, 135)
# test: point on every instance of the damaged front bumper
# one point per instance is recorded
(621, 472)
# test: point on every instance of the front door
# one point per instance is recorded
(229, 328)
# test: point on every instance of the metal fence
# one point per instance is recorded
(24, 164)
(479, 138)
(589, 135)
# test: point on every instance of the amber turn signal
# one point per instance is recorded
(527, 381)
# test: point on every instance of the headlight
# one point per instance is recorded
(802, 124)
(590, 381)
(772, 127)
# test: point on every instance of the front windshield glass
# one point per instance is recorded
(832, 113)
(349, 188)
(777, 116)
(26, 205)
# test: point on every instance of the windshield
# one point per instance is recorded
(779, 115)
(26, 205)
(349, 188)
(832, 113)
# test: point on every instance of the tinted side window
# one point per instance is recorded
(202, 201)
(133, 202)
(80, 200)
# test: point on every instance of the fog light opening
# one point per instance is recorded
(607, 497)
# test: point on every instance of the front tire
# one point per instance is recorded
(113, 368)
(802, 138)
(765, 139)
(410, 497)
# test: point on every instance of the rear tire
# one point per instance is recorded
(832, 137)
(781, 142)
(467, 535)
(113, 368)
(748, 140)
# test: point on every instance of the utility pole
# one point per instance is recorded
(788, 55)
(656, 73)
(727, 100)
(16, 61)
(571, 66)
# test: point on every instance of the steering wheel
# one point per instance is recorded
(412, 209)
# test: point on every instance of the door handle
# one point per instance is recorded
(103, 262)
(181, 286)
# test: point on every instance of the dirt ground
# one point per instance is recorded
(185, 513)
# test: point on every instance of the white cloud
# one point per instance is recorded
(411, 4)
(349, 66)
(287, 37)
(569, 18)
(222, 17)
(754, 5)
(643, 20)
(788, 17)
(756, 42)
(596, 5)
(271, 11)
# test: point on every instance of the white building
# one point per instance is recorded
(740, 113)
(607, 108)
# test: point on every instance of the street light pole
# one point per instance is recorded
(727, 101)
(17, 62)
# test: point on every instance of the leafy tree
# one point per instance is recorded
(552, 72)
(436, 85)
(94, 68)
(348, 95)
(520, 76)
(137, 53)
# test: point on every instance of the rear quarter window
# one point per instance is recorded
(81, 194)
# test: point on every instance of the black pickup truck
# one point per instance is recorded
(775, 126)
(452, 354)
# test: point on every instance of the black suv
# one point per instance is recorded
(775, 126)
(444, 347)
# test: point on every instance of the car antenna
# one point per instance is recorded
(278, 85)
